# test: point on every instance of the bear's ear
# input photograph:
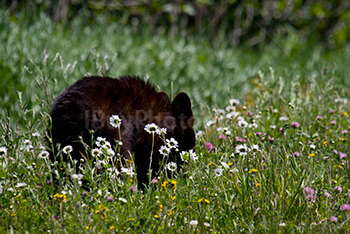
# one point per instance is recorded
(163, 101)
(181, 109)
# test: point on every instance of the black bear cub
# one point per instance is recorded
(86, 107)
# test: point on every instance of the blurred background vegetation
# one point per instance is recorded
(242, 21)
(214, 50)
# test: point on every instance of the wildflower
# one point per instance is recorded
(110, 198)
(132, 189)
(319, 117)
(60, 197)
(344, 132)
(250, 113)
(218, 172)
(111, 227)
(171, 166)
(242, 123)
(184, 156)
(281, 130)
(338, 189)
(208, 146)
(345, 207)
(77, 176)
(3, 151)
(20, 185)
(333, 122)
(128, 171)
(210, 122)
(172, 143)
(331, 111)
(123, 200)
(232, 115)
(193, 155)
(230, 108)
(225, 165)
(56, 217)
(284, 118)
(199, 133)
(164, 150)
(234, 102)
(151, 128)
(172, 184)
(326, 194)
(242, 149)
(155, 180)
(156, 216)
(258, 134)
(282, 225)
(161, 131)
(95, 153)
(206, 224)
(253, 171)
(342, 155)
(67, 149)
(295, 125)
(312, 146)
(253, 125)
(333, 219)
(36, 135)
(309, 192)
(194, 223)
(254, 148)
(222, 137)
(100, 141)
(102, 211)
(271, 139)
(115, 121)
(312, 154)
(85, 193)
(44, 154)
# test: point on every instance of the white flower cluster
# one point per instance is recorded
(243, 149)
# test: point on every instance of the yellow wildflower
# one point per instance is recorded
(312, 154)
(253, 171)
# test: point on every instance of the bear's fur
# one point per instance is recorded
(90, 102)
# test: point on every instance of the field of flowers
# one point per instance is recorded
(271, 151)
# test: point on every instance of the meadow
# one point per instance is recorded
(272, 129)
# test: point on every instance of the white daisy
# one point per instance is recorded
(218, 171)
(115, 121)
(193, 155)
(3, 151)
(242, 149)
(172, 143)
(194, 223)
(171, 166)
(234, 102)
(44, 154)
(254, 148)
(128, 171)
(161, 131)
(67, 149)
(164, 150)
(151, 128)
(243, 123)
(95, 152)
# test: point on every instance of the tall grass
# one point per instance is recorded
(275, 162)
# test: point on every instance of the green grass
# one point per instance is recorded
(286, 78)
